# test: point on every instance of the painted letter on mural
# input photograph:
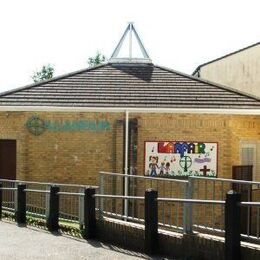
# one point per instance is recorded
(177, 159)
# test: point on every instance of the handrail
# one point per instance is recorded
(70, 193)
(225, 180)
(191, 201)
(118, 196)
(6, 188)
(49, 183)
(39, 191)
(247, 203)
(142, 177)
(162, 199)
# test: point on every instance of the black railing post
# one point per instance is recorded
(21, 205)
(1, 199)
(53, 212)
(232, 226)
(151, 221)
(89, 213)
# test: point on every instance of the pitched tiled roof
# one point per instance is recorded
(128, 85)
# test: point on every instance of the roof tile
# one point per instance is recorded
(124, 85)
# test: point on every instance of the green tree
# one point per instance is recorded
(96, 60)
(46, 72)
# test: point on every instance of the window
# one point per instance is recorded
(249, 153)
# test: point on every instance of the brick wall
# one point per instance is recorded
(174, 245)
(78, 156)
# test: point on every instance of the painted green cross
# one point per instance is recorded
(185, 163)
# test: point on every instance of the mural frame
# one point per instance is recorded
(181, 141)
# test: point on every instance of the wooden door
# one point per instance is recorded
(244, 172)
(8, 159)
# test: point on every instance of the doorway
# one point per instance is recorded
(8, 159)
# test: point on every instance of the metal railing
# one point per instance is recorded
(181, 217)
(53, 221)
(232, 205)
(37, 197)
(181, 227)
(170, 214)
(189, 205)
(151, 201)
(216, 189)
(8, 196)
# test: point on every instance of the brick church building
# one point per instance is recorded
(127, 116)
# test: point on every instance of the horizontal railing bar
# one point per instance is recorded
(250, 236)
(7, 208)
(217, 230)
(68, 220)
(74, 185)
(162, 199)
(4, 188)
(143, 177)
(247, 203)
(39, 191)
(118, 196)
(49, 183)
(170, 226)
(225, 180)
(116, 215)
(34, 214)
(70, 193)
(123, 216)
(192, 201)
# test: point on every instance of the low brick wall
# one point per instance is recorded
(127, 235)
(197, 246)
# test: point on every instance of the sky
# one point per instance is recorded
(177, 34)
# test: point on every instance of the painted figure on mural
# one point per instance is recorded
(162, 168)
(167, 168)
(153, 165)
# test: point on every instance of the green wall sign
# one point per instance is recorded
(37, 126)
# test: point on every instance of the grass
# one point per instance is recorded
(67, 227)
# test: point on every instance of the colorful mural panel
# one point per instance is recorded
(177, 159)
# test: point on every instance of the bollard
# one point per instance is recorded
(53, 212)
(232, 226)
(151, 221)
(89, 214)
(1, 199)
(21, 205)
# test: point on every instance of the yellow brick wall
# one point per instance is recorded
(62, 156)
(78, 156)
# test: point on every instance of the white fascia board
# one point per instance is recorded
(131, 109)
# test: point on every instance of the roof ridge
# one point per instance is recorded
(224, 56)
(15, 90)
(227, 88)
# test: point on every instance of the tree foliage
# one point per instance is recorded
(96, 60)
(45, 73)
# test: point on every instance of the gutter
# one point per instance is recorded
(224, 111)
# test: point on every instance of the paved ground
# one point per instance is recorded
(30, 244)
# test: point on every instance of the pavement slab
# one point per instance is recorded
(31, 243)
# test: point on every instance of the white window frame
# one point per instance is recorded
(255, 145)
